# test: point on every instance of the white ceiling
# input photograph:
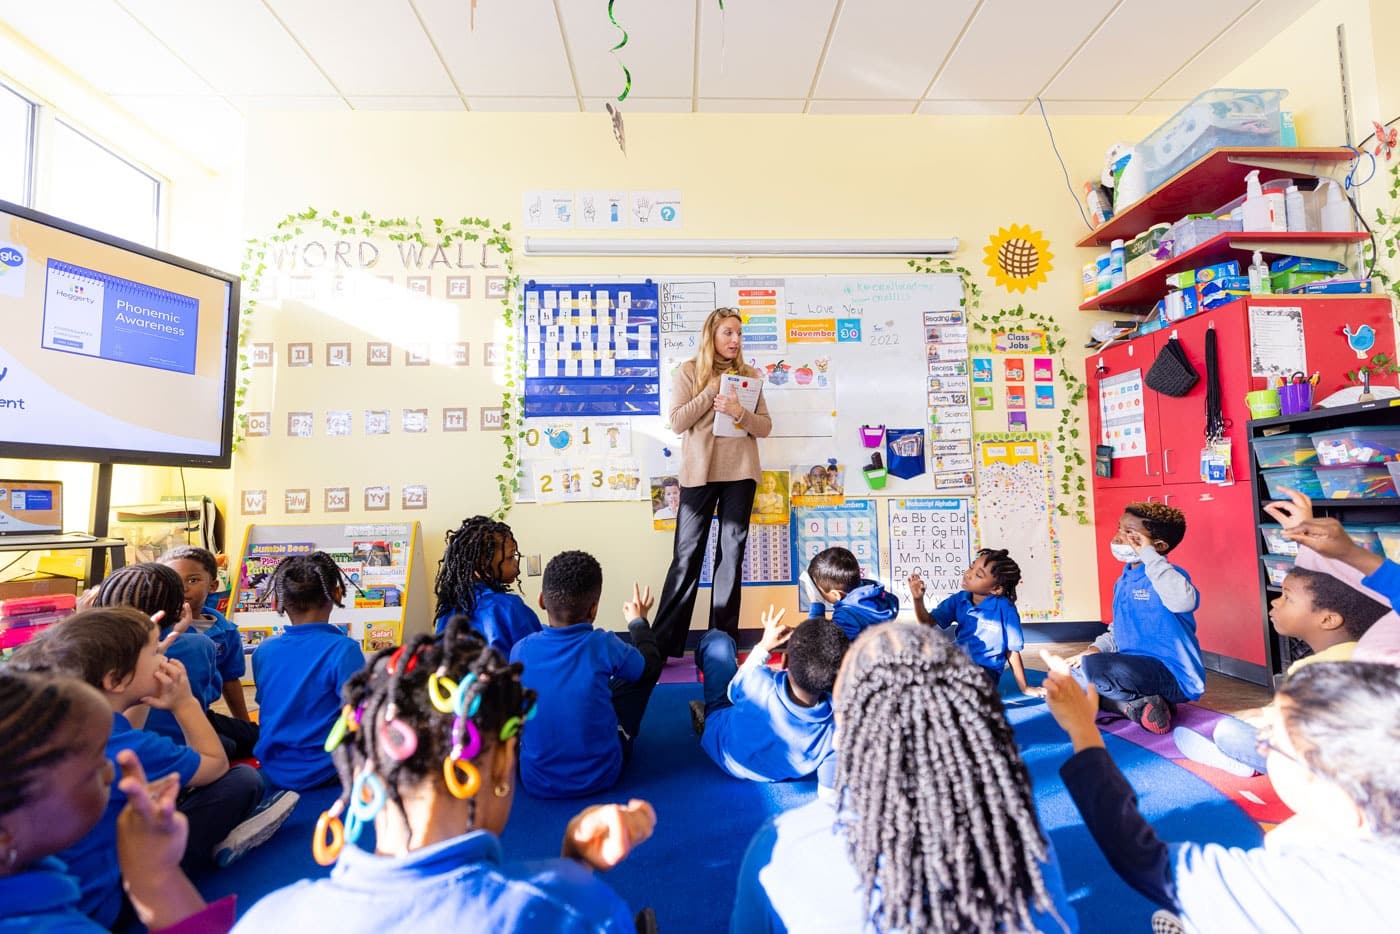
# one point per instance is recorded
(192, 69)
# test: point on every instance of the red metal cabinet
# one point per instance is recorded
(1118, 361)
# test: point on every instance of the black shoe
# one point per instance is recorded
(697, 717)
(1152, 713)
(645, 922)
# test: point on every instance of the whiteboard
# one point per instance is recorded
(851, 351)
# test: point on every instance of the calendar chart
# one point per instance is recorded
(767, 556)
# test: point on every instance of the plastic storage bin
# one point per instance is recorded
(1276, 568)
(1302, 479)
(1275, 543)
(1188, 234)
(1367, 537)
(1394, 468)
(1390, 540)
(1357, 480)
(1284, 451)
(1218, 117)
(1371, 445)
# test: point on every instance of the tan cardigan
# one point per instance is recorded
(704, 457)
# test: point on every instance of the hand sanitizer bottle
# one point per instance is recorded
(1259, 281)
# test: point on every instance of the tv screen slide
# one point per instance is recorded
(106, 348)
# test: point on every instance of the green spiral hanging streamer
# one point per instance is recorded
(627, 87)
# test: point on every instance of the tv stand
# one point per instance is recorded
(116, 547)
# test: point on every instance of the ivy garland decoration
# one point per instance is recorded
(441, 233)
(1067, 432)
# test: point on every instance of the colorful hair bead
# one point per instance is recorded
(338, 731)
(325, 851)
(462, 728)
(461, 786)
(534, 708)
(459, 697)
(393, 665)
(367, 797)
(440, 691)
(510, 728)
(398, 739)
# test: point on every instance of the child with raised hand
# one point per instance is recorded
(117, 651)
(1330, 617)
(1150, 658)
(474, 578)
(199, 572)
(593, 687)
(426, 750)
(299, 673)
(856, 603)
(984, 611)
(764, 725)
(932, 826)
(55, 787)
(157, 591)
(1330, 753)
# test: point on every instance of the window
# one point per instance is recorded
(16, 147)
(90, 185)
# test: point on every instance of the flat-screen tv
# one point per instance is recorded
(111, 352)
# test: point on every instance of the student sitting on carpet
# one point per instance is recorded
(117, 651)
(764, 725)
(933, 826)
(1331, 757)
(856, 603)
(475, 576)
(300, 672)
(54, 733)
(1316, 608)
(1149, 659)
(426, 751)
(984, 611)
(593, 687)
(199, 572)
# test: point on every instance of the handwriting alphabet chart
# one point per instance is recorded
(591, 349)
(931, 537)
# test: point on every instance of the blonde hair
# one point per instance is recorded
(705, 357)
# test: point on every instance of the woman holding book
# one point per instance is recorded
(719, 473)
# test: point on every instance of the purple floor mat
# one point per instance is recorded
(1188, 715)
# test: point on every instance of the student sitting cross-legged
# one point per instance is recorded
(765, 725)
(593, 687)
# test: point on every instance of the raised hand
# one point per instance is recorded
(639, 607)
(172, 686)
(604, 834)
(1289, 513)
(917, 587)
(1073, 707)
(775, 634)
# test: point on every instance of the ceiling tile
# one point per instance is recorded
(389, 102)
(1084, 107)
(102, 45)
(515, 49)
(1014, 46)
(889, 48)
(215, 36)
(749, 105)
(972, 108)
(640, 105)
(524, 104)
(367, 48)
(660, 50)
(1248, 35)
(1138, 48)
(862, 107)
(763, 50)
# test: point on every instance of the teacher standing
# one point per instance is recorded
(717, 474)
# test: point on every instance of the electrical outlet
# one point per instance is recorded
(532, 566)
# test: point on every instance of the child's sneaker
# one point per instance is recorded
(1200, 749)
(257, 829)
(1152, 713)
(697, 717)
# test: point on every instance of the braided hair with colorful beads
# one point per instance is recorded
(150, 587)
(429, 710)
(937, 808)
(302, 583)
(474, 555)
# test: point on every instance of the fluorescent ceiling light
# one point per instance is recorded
(648, 246)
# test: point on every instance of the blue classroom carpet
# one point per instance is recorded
(705, 819)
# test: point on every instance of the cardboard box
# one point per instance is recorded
(38, 585)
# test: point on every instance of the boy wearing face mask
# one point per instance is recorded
(1150, 658)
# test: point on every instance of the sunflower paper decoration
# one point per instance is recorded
(1018, 258)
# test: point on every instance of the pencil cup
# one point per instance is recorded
(1263, 403)
(875, 477)
(1295, 398)
(872, 436)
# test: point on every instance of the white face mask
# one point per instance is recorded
(1125, 553)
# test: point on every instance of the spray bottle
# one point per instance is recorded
(1258, 214)
(1336, 213)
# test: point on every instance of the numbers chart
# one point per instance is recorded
(767, 556)
(850, 525)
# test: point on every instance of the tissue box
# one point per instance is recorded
(1335, 287)
(1284, 281)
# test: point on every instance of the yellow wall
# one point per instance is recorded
(741, 176)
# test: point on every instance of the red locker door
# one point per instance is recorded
(1108, 509)
(1119, 361)
(1182, 420)
(1342, 334)
(1218, 552)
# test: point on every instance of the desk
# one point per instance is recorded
(96, 566)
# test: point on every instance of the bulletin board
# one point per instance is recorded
(1015, 505)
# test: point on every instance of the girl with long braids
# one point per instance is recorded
(933, 826)
(426, 750)
(475, 576)
(299, 673)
